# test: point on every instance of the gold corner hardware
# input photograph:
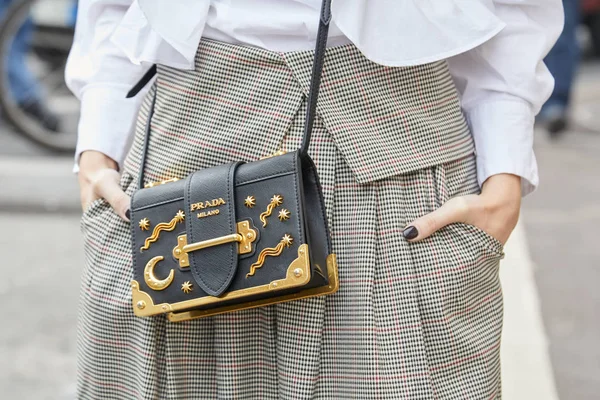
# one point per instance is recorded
(176, 313)
(245, 236)
(284, 214)
(150, 278)
(152, 184)
(250, 201)
(144, 300)
(187, 287)
(276, 201)
(331, 288)
(144, 224)
(286, 241)
(163, 226)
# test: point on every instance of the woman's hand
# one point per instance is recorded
(495, 210)
(99, 178)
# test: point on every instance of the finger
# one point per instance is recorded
(87, 197)
(87, 200)
(454, 210)
(106, 185)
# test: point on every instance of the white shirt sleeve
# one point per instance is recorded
(100, 75)
(503, 85)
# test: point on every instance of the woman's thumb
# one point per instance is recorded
(454, 210)
(106, 185)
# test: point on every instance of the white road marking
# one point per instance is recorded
(526, 367)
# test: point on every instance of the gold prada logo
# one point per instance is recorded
(207, 204)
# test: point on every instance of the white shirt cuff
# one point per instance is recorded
(503, 134)
(107, 121)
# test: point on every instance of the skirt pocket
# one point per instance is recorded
(93, 209)
(100, 206)
(460, 297)
(459, 178)
(473, 233)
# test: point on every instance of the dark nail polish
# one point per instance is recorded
(410, 233)
(128, 214)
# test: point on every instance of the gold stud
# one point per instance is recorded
(284, 214)
(180, 216)
(144, 224)
(298, 272)
(276, 201)
(287, 240)
(187, 287)
(250, 201)
(141, 304)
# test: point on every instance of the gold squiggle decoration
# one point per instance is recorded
(276, 200)
(286, 241)
(163, 226)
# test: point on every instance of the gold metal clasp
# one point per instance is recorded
(245, 236)
(158, 183)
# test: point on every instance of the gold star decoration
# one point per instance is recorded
(144, 224)
(287, 240)
(187, 287)
(284, 214)
(180, 216)
(250, 201)
(277, 200)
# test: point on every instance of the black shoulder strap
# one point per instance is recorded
(146, 141)
(142, 82)
(317, 71)
(313, 94)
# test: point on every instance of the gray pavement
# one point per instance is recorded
(561, 221)
(42, 259)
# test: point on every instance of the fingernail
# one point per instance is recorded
(410, 233)
(128, 214)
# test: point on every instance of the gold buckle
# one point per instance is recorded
(245, 236)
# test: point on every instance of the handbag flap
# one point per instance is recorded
(210, 203)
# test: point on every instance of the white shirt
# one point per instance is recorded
(495, 50)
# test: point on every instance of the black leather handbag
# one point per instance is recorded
(235, 236)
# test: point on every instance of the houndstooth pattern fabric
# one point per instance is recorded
(410, 321)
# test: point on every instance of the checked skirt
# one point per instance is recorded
(411, 320)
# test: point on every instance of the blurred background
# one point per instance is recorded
(550, 275)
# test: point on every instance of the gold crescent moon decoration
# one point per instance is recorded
(163, 226)
(286, 241)
(150, 278)
(276, 201)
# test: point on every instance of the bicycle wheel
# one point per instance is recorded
(34, 45)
